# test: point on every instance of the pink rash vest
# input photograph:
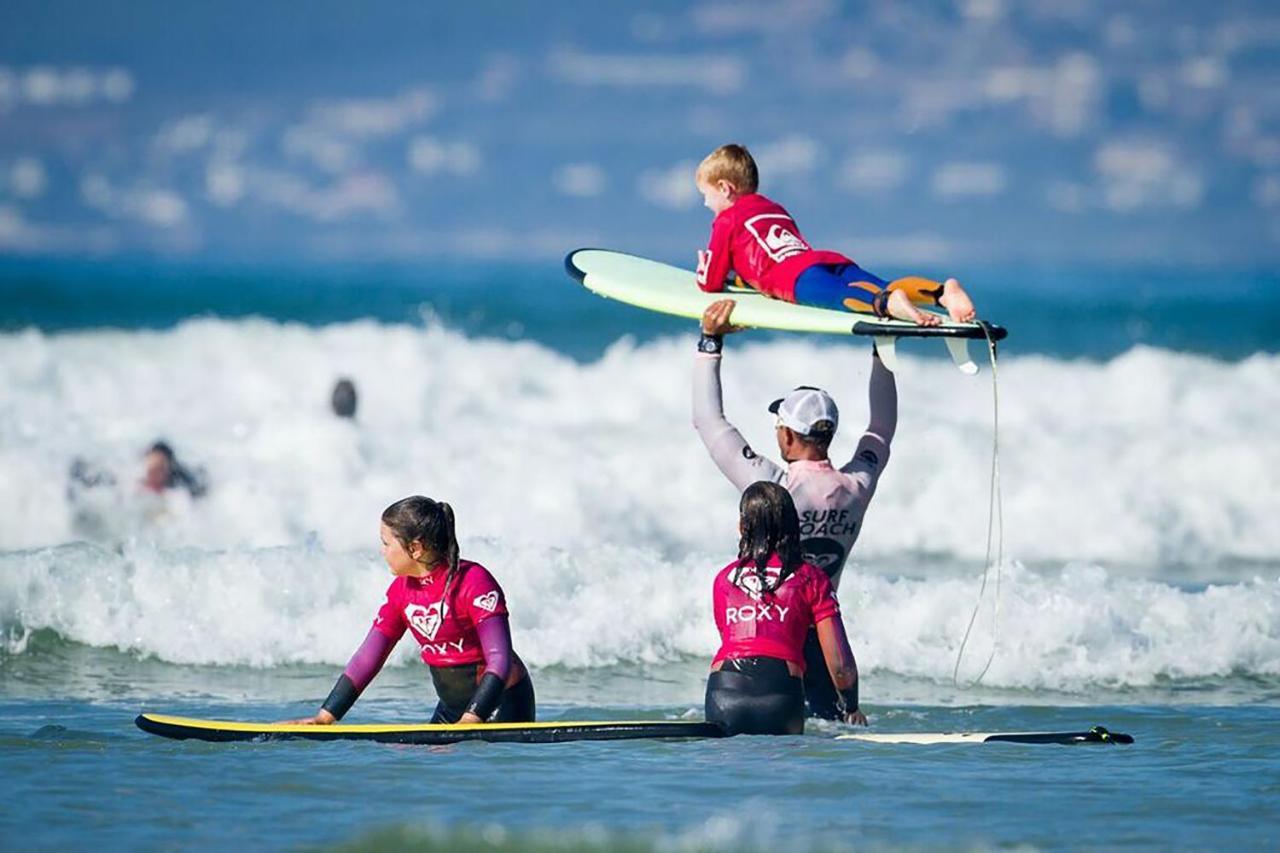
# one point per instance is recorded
(446, 631)
(775, 623)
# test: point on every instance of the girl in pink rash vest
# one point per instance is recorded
(765, 602)
(457, 613)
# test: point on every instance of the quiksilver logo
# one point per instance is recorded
(775, 232)
(782, 240)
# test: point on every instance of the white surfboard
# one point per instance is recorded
(672, 290)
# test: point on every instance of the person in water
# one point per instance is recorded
(343, 400)
(454, 609)
(766, 602)
(103, 511)
(756, 238)
(831, 502)
(161, 471)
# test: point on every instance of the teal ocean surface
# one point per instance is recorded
(1140, 588)
(1093, 312)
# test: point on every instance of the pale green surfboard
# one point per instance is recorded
(672, 290)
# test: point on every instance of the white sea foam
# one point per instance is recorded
(1151, 459)
(601, 605)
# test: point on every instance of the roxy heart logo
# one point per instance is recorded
(748, 581)
(488, 601)
(426, 620)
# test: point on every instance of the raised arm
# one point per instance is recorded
(728, 449)
(882, 392)
(872, 452)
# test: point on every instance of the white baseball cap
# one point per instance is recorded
(807, 410)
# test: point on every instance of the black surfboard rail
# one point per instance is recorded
(575, 273)
(1097, 734)
(428, 735)
(979, 331)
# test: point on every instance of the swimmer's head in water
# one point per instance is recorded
(417, 534)
(769, 525)
(162, 470)
(344, 398)
(158, 467)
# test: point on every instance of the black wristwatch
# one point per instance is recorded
(710, 344)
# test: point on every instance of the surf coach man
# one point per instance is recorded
(831, 501)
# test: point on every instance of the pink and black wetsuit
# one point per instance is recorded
(764, 624)
(462, 630)
(831, 502)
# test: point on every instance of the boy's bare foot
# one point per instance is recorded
(900, 308)
(957, 302)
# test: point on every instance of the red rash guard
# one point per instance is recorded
(758, 239)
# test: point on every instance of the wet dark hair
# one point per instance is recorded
(770, 525)
(163, 448)
(344, 398)
(180, 476)
(420, 519)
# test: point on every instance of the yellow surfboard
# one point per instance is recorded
(188, 728)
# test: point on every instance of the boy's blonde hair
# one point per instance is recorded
(732, 163)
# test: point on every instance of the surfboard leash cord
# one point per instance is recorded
(995, 522)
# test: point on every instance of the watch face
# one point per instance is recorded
(709, 345)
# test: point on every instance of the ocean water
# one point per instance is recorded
(1140, 589)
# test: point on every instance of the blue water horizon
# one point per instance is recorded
(1092, 312)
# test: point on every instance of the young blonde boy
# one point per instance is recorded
(758, 239)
